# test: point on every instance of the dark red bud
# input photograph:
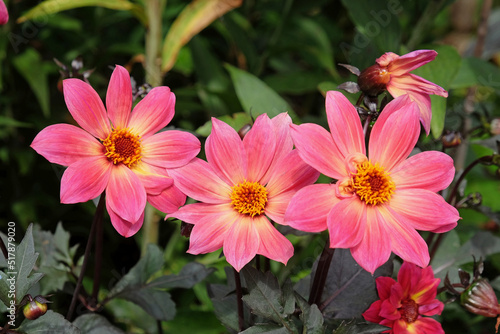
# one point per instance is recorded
(373, 80)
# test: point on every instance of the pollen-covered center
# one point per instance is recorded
(123, 146)
(409, 310)
(372, 184)
(249, 198)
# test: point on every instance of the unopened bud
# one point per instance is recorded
(34, 309)
(479, 298)
(373, 80)
(451, 139)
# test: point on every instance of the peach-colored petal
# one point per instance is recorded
(374, 250)
(154, 180)
(344, 123)
(308, 210)
(225, 153)
(169, 200)
(346, 223)
(211, 225)
(122, 226)
(429, 170)
(153, 112)
(125, 194)
(404, 240)
(241, 242)
(86, 107)
(65, 144)
(273, 244)
(170, 149)
(410, 61)
(119, 97)
(386, 59)
(85, 179)
(199, 181)
(291, 174)
(316, 148)
(424, 106)
(393, 139)
(260, 145)
(414, 83)
(277, 205)
(424, 210)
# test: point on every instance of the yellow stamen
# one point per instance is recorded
(249, 198)
(123, 146)
(372, 184)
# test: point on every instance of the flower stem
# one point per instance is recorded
(98, 261)
(239, 300)
(99, 213)
(321, 274)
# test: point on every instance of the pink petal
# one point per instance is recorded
(405, 241)
(260, 145)
(374, 250)
(424, 106)
(199, 181)
(154, 180)
(125, 194)
(411, 61)
(153, 112)
(119, 97)
(414, 83)
(291, 174)
(225, 153)
(430, 170)
(273, 244)
(344, 123)
(346, 223)
(122, 226)
(65, 144)
(241, 242)
(424, 210)
(85, 179)
(372, 314)
(392, 139)
(424, 325)
(277, 205)
(431, 309)
(316, 148)
(86, 107)
(211, 224)
(4, 14)
(169, 200)
(386, 59)
(170, 149)
(384, 286)
(309, 207)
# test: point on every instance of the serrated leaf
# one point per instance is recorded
(30, 65)
(191, 274)
(353, 328)
(311, 316)
(267, 328)
(25, 261)
(256, 97)
(349, 289)
(156, 303)
(264, 296)
(49, 323)
(224, 303)
(93, 323)
(194, 18)
(5, 288)
(54, 6)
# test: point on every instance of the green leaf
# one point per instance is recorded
(299, 82)
(353, 328)
(442, 72)
(195, 17)
(311, 316)
(156, 303)
(49, 323)
(267, 328)
(54, 6)
(224, 301)
(191, 274)
(92, 323)
(377, 21)
(30, 65)
(236, 121)
(256, 97)
(476, 71)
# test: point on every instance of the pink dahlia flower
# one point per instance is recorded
(403, 304)
(379, 199)
(4, 14)
(243, 182)
(392, 72)
(118, 151)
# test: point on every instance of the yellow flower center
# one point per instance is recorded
(372, 184)
(249, 198)
(123, 146)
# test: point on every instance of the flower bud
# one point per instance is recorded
(451, 139)
(4, 14)
(34, 309)
(479, 298)
(373, 80)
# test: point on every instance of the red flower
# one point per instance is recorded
(403, 304)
